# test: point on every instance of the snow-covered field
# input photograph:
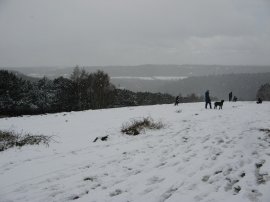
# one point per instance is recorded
(201, 155)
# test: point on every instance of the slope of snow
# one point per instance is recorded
(201, 155)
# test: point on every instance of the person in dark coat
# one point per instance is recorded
(230, 96)
(207, 100)
(235, 98)
(259, 101)
(177, 100)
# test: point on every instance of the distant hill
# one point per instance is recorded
(244, 81)
(25, 77)
(149, 70)
(244, 86)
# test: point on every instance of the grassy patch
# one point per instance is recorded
(135, 127)
(10, 139)
(266, 130)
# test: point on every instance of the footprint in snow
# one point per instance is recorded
(136, 172)
(262, 177)
(205, 139)
(254, 195)
(219, 141)
(154, 180)
(200, 197)
(230, 184)
(75, 197)
(166, 195)
(148, 190)
(116, 192)
(161, 164)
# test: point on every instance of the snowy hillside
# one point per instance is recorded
(201, 155)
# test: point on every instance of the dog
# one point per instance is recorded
(220, 104)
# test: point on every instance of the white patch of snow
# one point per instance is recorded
(201, 155)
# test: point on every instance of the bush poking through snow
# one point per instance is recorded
(266, 130)
(10, 139)
(135, 127)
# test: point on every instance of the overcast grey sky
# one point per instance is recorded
(131, 32)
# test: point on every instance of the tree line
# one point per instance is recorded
(81, 91)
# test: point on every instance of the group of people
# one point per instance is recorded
(208, 100)
(232, 98)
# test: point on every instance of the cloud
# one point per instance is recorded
(102, 32)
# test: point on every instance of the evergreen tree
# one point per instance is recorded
(45, 95)
(264, 92)
(64, 99)
(79, 77)
(102, 90)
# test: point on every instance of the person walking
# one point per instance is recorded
(230, 96)
(259, 101)
(207, 100)
(177, 100)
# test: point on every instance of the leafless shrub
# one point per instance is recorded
(10, 139)
(266, 130)
(135, 127)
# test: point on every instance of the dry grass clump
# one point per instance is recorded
(10, 139)
(135, 127)
(266, 130)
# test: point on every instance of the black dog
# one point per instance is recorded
(220, 104)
